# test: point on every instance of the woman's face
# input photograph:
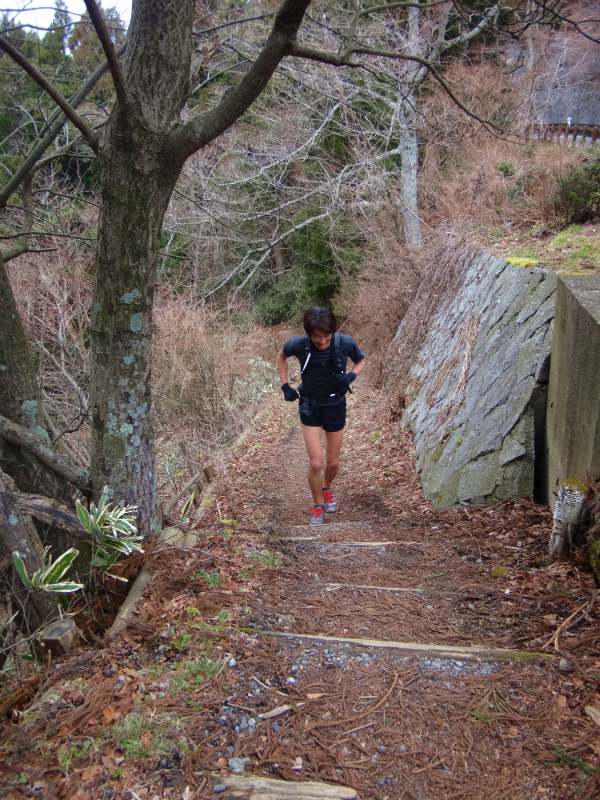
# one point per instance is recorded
(321, 340)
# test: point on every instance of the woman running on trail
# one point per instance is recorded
(322, 355)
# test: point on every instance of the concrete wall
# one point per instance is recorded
(573, 421)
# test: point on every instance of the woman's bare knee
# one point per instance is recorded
(316, 464)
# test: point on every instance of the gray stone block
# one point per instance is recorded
(476, 381)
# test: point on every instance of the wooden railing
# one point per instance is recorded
(581, 134)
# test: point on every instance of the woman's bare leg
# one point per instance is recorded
(332, 455)
(312, 441)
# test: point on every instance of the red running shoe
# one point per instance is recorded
(328, 501)
(317, 515)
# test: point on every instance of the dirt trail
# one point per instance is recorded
(406, 714)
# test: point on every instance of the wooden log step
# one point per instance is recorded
(321, 543)
(331, 587)
(316, 540)
(332, 527)
(258, 788)
(473, 652)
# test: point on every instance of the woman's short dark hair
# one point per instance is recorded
(319, 319)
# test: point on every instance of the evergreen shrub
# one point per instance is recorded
(576, 196)
(282, 301)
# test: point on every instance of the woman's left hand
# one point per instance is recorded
(344, 381)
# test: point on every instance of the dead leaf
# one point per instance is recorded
(108, 758)
(146, 739)
(297, 765)
(187, 793)
(71, 695)
(110, 715)
(91, 772)
(593, 713)
(314, 695)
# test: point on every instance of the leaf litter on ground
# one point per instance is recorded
(191, 684)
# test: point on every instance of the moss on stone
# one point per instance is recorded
(593, 557)
(499, 572)
(522, 262)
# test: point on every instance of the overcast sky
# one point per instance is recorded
(40, 13)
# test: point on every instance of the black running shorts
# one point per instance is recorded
(330, 418)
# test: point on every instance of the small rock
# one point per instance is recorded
(403, 748)
(232, 662)
(290, 680)
(564, 665)
(276, 727)
(244, 723)
(237, 764)
(471, 607)
(218, 788)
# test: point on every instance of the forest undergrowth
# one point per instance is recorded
(200, 682)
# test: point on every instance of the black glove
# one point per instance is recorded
(289, 394)
(344, 381)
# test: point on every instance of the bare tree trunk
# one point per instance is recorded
(17, 534)
(20, 399)
(409, 151)
(279, 259)
(139, 170)
(122, 454)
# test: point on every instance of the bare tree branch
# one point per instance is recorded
(203, 129)
(50, 512)
(56, 121)
(60, 101)
(22, 243)
(401, 4)
(327, 57)
(489, 17)
(109, 50)
(17, 434)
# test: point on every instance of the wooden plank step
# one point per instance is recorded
(333, 526)
(331, 587)
(258, 788)
(321, 543)
(474, 652)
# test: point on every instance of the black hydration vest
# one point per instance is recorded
(339, 359)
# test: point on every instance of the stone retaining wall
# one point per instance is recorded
(478, 389)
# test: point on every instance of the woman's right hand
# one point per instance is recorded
(289, 393)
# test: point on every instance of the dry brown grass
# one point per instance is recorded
(208, 377)
(208, 374)
(439, 262)
(460, 176)
(372, 306)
